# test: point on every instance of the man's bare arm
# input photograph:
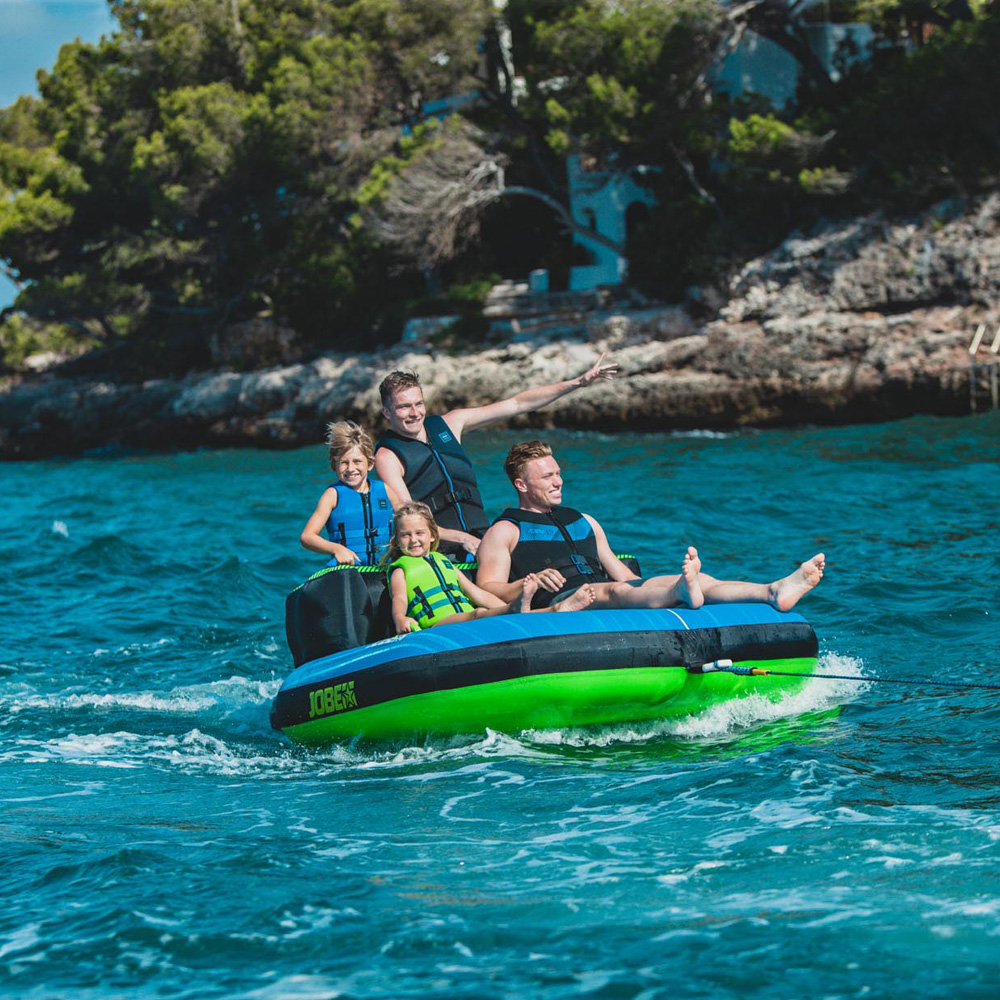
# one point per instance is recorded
(494, 561)
(390, 471)
(474, 417)
(611, 564)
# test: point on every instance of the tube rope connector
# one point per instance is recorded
(714, 666)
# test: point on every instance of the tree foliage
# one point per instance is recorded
(618, 81)
(203, 162)
(213, 160)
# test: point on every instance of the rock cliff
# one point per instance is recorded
(859, 321)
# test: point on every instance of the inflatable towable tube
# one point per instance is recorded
(541, 671)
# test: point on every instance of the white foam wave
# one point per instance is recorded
(493, 744)
(229, 698)
(222, 695)
(707, 434)
(730, 717)
(132, 648)
(194, 751)
(743, 713)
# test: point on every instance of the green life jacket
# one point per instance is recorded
(432, 588)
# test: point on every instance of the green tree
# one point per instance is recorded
(203, 163)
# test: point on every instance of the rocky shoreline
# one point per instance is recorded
(863, 321)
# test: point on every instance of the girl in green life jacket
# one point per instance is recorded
(427, 589)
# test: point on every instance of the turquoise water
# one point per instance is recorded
(159, 840)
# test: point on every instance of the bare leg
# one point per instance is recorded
(783, 594)
(576, 601)
(658, 591)
(468, 616)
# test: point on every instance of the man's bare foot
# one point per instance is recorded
(688, 585)
(528, 591)
(785, 594)
(578, 600)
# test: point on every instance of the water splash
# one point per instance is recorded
(738, 717)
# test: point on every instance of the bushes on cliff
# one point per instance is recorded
(214, 162)
(921, 126)
(201, 165)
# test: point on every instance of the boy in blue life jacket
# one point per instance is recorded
(427, 589)
(356, 512)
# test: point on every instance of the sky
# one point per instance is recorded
(31, 32)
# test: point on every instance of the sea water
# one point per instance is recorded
(160, 840)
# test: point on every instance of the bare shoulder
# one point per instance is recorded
(390, 470)
(457, 419)
(327, 501)
(386, 456)
(505, 533)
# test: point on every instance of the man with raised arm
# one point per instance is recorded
(566, 549)
(421, 457)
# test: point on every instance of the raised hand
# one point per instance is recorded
(598, 370)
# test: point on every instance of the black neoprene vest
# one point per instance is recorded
(562, 539)
(439, 474)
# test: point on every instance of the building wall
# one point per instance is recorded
(599, 200)
(759, 66)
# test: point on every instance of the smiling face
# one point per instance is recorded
(540, 485)
(352, 468)
(407, 412)
(414, 535)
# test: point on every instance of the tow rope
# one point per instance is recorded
(727, 667)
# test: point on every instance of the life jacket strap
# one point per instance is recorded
(583, 565)
(442, 500)
(419, 600)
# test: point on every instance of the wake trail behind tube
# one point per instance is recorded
(727, 718)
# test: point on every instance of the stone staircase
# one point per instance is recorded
(517, 313)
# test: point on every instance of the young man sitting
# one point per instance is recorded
(565, 549)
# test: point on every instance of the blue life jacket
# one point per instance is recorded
(439, 473)
(361, 521)
(561, 539)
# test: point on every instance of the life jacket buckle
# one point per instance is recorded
(425, 605)
(443, 500)
(582, 566)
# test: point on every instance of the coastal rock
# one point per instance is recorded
(859, 321)
(254, 344)
(951, 254)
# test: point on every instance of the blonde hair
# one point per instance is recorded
(345, 435)
(411, 509)
(520, 455)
